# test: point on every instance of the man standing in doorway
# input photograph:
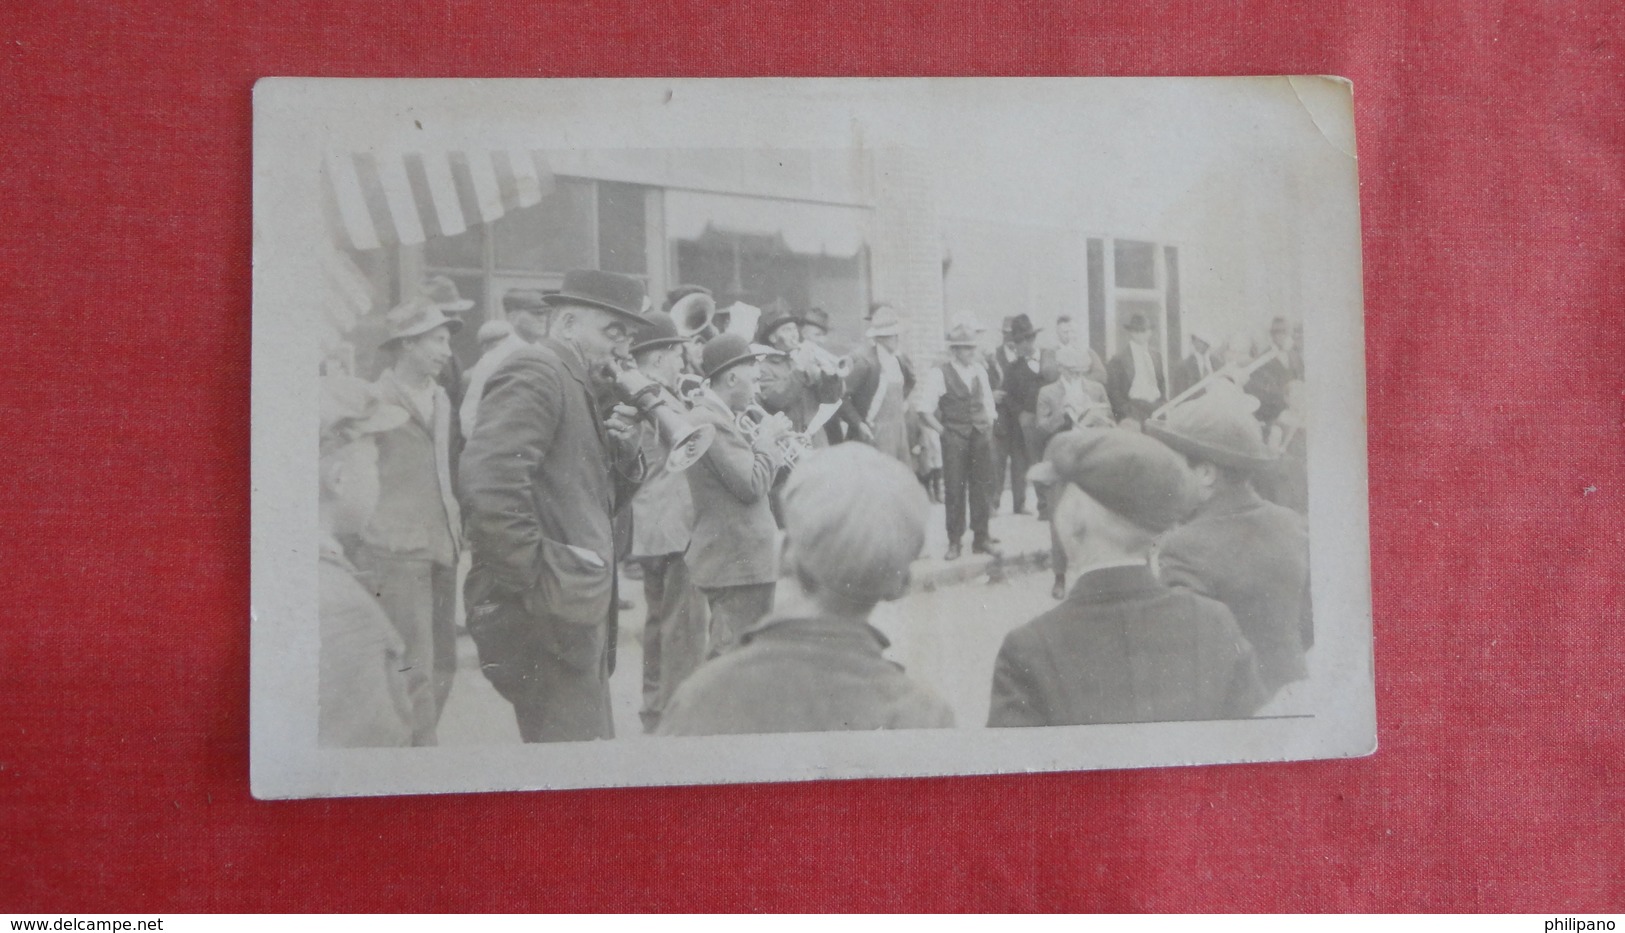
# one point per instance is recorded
(1134, 379)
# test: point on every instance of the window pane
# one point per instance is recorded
(1136, 264)
(621, 232)
(455, 252)
(555, 235)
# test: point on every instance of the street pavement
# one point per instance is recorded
(946, 633)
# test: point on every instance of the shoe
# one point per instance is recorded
(1058, 591)
(990, 540)
(1022, 511)
(984, 546)
(953, 552)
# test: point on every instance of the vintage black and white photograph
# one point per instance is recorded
(634, 432)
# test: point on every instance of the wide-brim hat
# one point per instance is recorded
(442, 293)
(660, 331)
(962, 336)
(1021, 328)
(607, 291)
(416, 317)
(351, 409)
(1217, 427)
(725, 351)
(885, 323)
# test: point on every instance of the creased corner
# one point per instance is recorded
(1329, 102)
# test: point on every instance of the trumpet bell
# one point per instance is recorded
(689, 448)
(693, 313)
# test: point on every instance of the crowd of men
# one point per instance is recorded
(770, 492)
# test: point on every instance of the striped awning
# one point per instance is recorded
(380, 198)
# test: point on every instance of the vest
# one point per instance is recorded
(961, 405)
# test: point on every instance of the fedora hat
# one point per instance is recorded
(1021, 328)
(817, 317)
(418, 315)
(773, 318)
(607, 291)
(442, 293)
(660, 331)
(961, 336)
(1217, 427)
(886, 322)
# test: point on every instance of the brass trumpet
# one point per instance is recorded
(688, 442)
(792, 444)
(812, 358)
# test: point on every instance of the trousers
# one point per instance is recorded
(418, 596)
(674, 636)
(967, 477)
(734, 611)
(555, 672)
(1009, 458)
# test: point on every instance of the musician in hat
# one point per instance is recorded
(363, 698)
(526, 313)
(732, 554)
(1073, 400)
(1123, 646)
(1198, 365)
(1250, 554)
(817, 665)
(542, 478)
(879, 385)
(1134, 378)
(957, 402)
(794, 381)
(410, 546)
(674, 634)
(1017, 375)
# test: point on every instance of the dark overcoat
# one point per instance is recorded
(1123, 647)
(1253, 556)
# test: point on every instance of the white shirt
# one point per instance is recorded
(1144, 388)
(935, 386)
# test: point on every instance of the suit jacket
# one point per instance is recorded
(802, 675)
(1123, 647)
(1120, 378)
(1188, 373)
(1020, 379)
(864, 380)
(663, 509)
(417, 517)
(539, 475)
(1253, 556)
(1268, 385)
(735, 538)
(1051, 371)
(1052, 416)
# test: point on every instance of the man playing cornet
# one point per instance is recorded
(733, 554)
(803, 379)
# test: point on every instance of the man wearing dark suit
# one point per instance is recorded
(1196, 367)
(1122, 647)
(1250, 554)
(542, 477)
(1268, 381)
(1016, 379)
(411, 544)
(1134, 379)
(732, 554)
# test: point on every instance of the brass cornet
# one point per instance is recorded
(792, 444)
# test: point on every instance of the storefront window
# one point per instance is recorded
(556, 235)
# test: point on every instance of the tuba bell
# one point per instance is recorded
(693, 313)
(688, 442)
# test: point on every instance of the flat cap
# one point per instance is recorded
(350, 409)
(1217, 427)
(1131, 474)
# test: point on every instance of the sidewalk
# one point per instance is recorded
(1023, 547)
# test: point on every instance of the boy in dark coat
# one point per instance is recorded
(1122, 647)
(820, 667)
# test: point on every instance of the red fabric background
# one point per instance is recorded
(1492, 143)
